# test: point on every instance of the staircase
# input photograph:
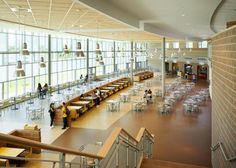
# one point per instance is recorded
(152, 163)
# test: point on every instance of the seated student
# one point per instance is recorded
(81, 76)
(98, 94)
(96, 98)
(149, 96)
(81, 96)
(145, 94)
(45, 89)
(86, 79)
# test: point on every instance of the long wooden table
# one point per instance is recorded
(12, 152)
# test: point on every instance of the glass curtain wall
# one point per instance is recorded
(122, 55)
(140, 56)
(11, 83)
(66, 66)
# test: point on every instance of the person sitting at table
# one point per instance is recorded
(149, 96)
(145, 94)
(86, 78)
(81, 76)
(45, 89)
(81, 96)
(96, 99)
(98, 94)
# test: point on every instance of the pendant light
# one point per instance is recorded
(20, 72)
(25, 51)
(98, 51)
(79, 52)
(66, 50)
(42, 63)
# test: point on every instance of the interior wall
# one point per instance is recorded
(224, 96)
(155, 61)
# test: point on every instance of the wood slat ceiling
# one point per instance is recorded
(67, 15)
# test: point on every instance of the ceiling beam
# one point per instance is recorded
(99, 30)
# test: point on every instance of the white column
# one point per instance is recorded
(132, 61)
(163, 67)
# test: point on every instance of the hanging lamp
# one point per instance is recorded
(66, 50)
(25, 51)
(20, 72)
(98, 51)
(79, 52)
(42, 63)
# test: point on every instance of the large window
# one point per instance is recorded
(202, 44)
(189, 44)
(175, 44)
(66, 66)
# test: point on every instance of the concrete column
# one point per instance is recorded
(163, 67)
(49, 61)
(87, 60)
(114, 58)
(132, 61)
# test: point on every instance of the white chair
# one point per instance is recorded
(161, 109)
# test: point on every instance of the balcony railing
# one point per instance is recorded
(119, 150)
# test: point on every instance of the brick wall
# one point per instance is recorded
(224, 96)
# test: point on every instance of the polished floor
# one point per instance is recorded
(179, 137)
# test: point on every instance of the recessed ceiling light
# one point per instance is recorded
(80, 25)
(29, 10)
(183, 14)
(13, 9)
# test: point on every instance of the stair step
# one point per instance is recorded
(152, 163)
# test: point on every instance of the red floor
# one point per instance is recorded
(179, 137)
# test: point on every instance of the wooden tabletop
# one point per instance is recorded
(113, 85)
(105, 91)
(92, 148)
(109, 87)
(80, 102)
(12, 152)
(74, 107)
(89, 98)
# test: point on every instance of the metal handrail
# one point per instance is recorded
(38, 160)
(128, 139)
(131, 145)
(23, 141)
(220, 145)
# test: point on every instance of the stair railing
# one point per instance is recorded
(120, 150)
(220, 145)
(123, 150)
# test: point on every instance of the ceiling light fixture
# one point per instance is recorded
(42, 63)
(20, 72)
(66, 50)
(98, 51)
(13, 9)
(79, 52)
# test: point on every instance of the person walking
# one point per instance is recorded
(52, 112)
(64, 115)
(39, 90)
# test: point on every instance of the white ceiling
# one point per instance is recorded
(181, 19)
(138, 20)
